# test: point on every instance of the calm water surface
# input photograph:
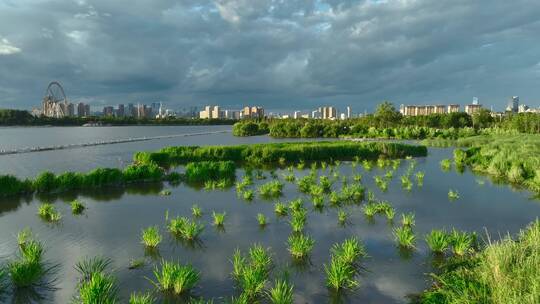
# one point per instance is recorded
(115, 216)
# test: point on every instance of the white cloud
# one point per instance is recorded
(6, 48)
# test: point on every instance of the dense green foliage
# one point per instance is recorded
(250, 128)
(198, 172)
(10, 117)
(505, 272)
(387, 122)
(278, 152)
(513, 158)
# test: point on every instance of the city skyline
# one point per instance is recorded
(231, 52)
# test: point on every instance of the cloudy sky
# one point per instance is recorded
(282, 54)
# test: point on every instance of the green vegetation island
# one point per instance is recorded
(471, 270)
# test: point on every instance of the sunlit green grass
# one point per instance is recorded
(404, 237)
(219, 218)
(77, 207)
(185, 228)
(437, 241)
(175, 278)
(151, 237)
(49, 213)
(300, 245)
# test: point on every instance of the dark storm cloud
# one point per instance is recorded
(277, 53)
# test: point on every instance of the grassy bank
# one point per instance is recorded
(514, 158)
(505, 272)
(280, 152)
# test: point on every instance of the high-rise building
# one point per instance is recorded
(121, 111)
(253, 112)
(453, 108)
(349, 112)
(108, 111)
(83, 109)
(513, 104)
(130, 110)
(475, 101)
(472, 108)
(328, 112)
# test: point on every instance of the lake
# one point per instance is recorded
(114, 217)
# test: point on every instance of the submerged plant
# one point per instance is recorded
(151, 237)
(175, 278)
(280, 209)
(219, 218)
(77, 207)
(405, 237)
(136, 263)
(406, 182)
(300, 245)
(357, 178)
(48, 212)
(437, 241)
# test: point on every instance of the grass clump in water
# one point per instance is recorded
(300, 245)
(185, 228)
(175, 278)
(251, 272)
(407, 219)
(280, 209)
(342, 270)
(261, 218)
(29, 269)
(77, 207)
(196, 211)
(151, 237)
(438, 241)
(95, 284)
(49, 213)
(342, 217)
(282, 292)
(271, 189)
(446, 164)
(248, 195)
(453, 195)
(405, 237)
(141, 298)
(462, 242)
(219, 218)
(420, 178)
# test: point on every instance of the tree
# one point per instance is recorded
(386, 115)
(482, 119)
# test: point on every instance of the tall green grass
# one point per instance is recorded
(185, 228)
(503, 272)
(175, 278)
(343, 268)
(251, 272)
(300, 245)
(151, 237)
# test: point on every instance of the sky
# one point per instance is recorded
(280, 54)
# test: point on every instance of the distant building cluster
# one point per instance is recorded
(324, 112)
(215, 112)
